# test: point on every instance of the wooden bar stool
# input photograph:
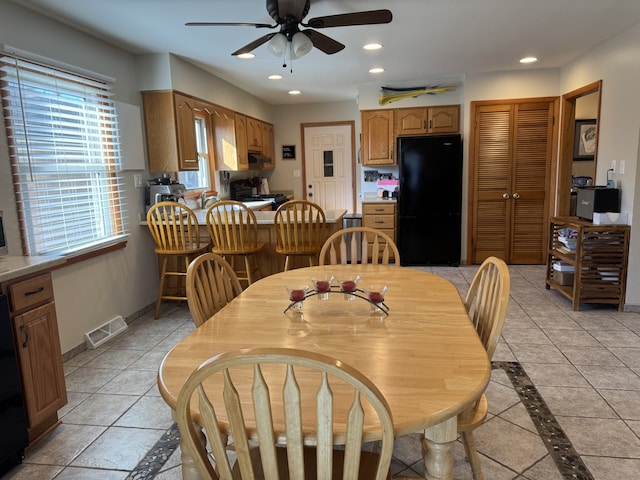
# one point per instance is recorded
(175, 231)
(300, 230)
(233, 229)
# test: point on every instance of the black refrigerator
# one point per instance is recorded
(430, 200)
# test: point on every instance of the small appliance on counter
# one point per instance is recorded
(244, 191)
(161, 192)
(597, 199)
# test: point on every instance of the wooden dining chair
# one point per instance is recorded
(240, 393)
(300, 230)
(376, 246)
(175, 231)
(486, 303)
(211, 284)
(233, 229)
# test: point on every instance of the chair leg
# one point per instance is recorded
(472, 455)
(286, 263)
(163, 270)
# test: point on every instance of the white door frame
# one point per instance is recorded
(349, 123)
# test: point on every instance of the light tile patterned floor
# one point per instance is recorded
(574, 376)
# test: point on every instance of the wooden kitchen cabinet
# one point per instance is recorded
(229, 139)
(268, 146)
(598, 256)
(35, 329)
(381, 216)
(254, 135)
(169, 119)
(378, 139)
(427, 120)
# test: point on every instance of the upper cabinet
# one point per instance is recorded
(254, 135)
(169, 119)
(427, 120)
(381, 127)
(378, 137)
(268, 146)
(228, 128)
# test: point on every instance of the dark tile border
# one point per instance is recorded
(561, 451)
(157, 456)
(567, 460)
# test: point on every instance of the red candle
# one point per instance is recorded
(296, 295)
(348, 286)
(322, 286)
(376, 297)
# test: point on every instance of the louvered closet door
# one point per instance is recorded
(509, 169)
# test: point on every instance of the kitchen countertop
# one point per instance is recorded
(268, 217)
(14, 266)
(378, 200)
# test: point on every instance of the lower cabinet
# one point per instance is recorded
(381, 216)
(35, 330)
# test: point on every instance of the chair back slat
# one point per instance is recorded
(487, 301)
(375, 245)
(233, 227)
(173, 227)
(211, 284)
(229, 406)
(324, 407)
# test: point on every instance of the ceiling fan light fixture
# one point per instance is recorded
(278, 44)
(300, 45)
(246, 56)
(372, 46)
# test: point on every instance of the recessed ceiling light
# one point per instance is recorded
(376, 70)
(528, 60)
(275, 77)
(294, 92)
(372, 46)
(246, 56)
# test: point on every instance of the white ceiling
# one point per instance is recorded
(428, 42)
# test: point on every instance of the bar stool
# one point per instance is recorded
(233, 229)
(300, 230)
(174, 228)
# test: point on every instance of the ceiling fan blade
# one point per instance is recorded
(229, 24)
(255, 44)
(370, 17)
(322, 42)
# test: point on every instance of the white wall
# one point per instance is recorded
(287, 120)
(617, 63)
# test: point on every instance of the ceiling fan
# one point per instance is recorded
(289, 15)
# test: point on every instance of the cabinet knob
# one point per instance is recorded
(516, 196)
(505, 196)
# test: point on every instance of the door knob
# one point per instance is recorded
(516, 196)
(505, 196)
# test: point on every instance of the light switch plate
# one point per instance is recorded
(621, 170)
(137, 180)
(613, 166)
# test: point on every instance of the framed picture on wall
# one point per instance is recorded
(288, 152)
(584, 141)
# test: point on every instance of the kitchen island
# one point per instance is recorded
(268, 260)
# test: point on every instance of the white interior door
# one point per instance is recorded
(329, 166)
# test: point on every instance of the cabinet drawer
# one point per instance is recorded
(379, 221)
(30, 292)
(378, 209)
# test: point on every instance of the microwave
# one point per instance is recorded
(4, 250)
(597, 199)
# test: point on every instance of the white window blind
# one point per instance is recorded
(64, 146)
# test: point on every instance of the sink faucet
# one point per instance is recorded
(204, 199)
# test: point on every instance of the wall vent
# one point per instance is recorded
(105, 332)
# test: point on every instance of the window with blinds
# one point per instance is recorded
(64, 146)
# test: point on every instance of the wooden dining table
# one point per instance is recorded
(423, 353)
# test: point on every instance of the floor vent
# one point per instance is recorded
(105, 332)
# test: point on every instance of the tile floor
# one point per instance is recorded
(580, 371)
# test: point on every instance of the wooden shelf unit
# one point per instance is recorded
(599, 261)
